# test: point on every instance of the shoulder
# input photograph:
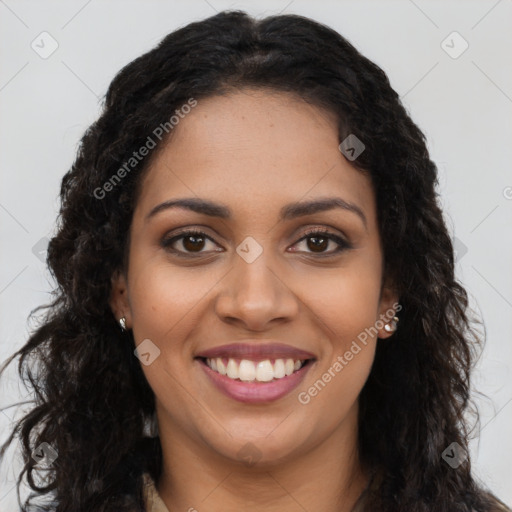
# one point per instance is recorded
(152, 500)
(494, 503)
(498, 506)
(370, 497)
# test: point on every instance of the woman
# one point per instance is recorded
(257, 307)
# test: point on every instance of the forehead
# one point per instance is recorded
(254, 148)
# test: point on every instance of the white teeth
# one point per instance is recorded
(221, 367)
(246, 370)
(249, 371)
(232, 369)
(288, 366)
(279, 372)
(264, 371)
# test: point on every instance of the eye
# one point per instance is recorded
(191, 241)
(318, 240)
(194, 241)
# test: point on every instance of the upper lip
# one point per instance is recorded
(256, 351)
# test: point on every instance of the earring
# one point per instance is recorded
(391, 326)
(122, 323)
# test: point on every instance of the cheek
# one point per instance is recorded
(164, 303)
(162, 298)
(347, 308)
(347, 314)
(348, 302)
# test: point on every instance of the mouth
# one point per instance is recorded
(255, 382)
(255, 372)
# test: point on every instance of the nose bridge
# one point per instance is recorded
(255, 272)
(254, 293)
(255, 280)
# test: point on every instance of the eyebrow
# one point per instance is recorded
(287, 212)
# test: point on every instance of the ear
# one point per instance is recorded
(119, 298)
(388, 309)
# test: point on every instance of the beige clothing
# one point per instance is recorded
(154, 502)
(152, 499)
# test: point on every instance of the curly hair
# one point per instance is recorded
(92, 400)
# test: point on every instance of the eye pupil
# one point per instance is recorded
(195, 240)
(322, 245)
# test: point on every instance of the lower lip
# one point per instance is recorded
(255, 392)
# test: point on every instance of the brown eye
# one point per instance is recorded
(318, 241)
(187, 242)
(193, 242)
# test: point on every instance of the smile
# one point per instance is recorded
(251, 371)
(255, 382)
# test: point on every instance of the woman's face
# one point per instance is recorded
(251, 280)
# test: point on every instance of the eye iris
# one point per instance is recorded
(196, 239)
(321, 245)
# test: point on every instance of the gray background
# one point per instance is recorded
(462, 104)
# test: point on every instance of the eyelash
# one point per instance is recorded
(342, 244)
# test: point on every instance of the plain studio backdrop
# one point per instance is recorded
(449, 61)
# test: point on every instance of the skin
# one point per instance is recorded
(255, 151)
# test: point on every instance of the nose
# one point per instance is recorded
(254, 295)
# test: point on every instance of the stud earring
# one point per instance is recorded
(391, 326)
(122, 323)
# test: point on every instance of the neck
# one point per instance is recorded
(326, 478)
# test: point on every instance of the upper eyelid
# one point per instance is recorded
(203, 231)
